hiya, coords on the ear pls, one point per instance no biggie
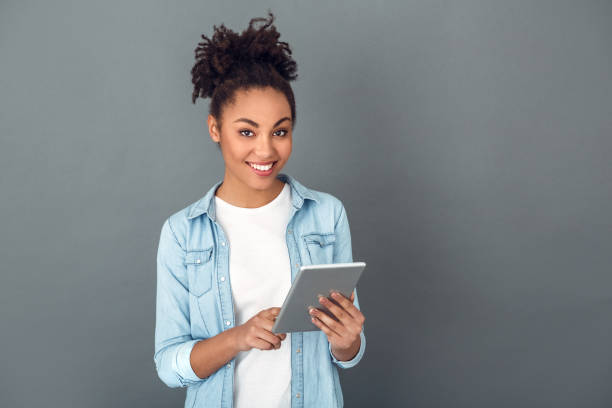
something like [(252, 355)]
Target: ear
[(213, 128)]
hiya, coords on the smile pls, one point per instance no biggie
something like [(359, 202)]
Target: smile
[(261, 167)]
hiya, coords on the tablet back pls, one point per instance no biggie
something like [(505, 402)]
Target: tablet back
[(311, 281)]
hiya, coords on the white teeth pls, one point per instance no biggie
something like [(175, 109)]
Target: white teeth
[(262, 168)]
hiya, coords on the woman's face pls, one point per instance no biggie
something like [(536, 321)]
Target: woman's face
[(256, 129)]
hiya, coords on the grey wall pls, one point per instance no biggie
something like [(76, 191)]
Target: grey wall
[(469, 140)]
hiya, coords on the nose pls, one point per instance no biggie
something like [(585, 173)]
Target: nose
[(263, 147)]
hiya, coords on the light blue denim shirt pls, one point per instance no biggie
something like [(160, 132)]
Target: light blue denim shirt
[(194, 298)]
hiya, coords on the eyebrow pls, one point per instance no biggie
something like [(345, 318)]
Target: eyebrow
[(255, 124)]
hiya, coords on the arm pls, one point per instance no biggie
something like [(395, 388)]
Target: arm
[(179, 359), (343, 252), (211, 354)]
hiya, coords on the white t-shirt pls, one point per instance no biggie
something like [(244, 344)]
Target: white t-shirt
[(260, 277)]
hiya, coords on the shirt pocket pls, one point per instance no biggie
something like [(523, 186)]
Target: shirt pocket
[(199, 270), (320, 247)]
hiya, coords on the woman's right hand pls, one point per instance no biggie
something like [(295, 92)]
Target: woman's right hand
[(256, 332)]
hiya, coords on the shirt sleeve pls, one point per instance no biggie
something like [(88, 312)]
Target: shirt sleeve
[(343, 252), (173, 341)]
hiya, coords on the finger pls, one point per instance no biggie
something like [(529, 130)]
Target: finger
[(267, 325), (346, 304), (352, 298), (262, 344), (334, 326), (266, 319), (269, 337), (352, 322), (336, 310), (324, 328), (271, 313)]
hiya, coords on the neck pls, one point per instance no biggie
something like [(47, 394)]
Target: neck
[(239, 194)]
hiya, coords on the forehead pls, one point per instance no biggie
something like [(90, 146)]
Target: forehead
[(260, 104)]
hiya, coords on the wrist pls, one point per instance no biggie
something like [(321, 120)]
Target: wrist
[(234, 340), (349, 353)]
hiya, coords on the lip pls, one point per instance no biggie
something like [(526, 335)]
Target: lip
[(263, 173), (262, 163)]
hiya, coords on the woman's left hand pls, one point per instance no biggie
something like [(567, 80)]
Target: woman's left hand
[(343, 334)]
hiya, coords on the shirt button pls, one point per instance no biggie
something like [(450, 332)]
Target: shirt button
[(227, 322), (223, 244), (297, 395), (198, 261), (229, 365), (223, 279), (298, 350)]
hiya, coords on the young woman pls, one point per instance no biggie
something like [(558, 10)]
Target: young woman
[(226, 262)]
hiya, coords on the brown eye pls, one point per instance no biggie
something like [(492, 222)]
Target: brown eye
[(281, 130), (247, 131)]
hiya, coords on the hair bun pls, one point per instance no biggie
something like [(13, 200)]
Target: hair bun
[(228, 53)]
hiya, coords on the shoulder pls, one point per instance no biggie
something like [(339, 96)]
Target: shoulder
[(179, 223), (327, 204)]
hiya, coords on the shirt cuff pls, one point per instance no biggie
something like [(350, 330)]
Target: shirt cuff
[(182, 364), (354, 360)]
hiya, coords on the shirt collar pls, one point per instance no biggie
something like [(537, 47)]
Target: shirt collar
[(206, 204)]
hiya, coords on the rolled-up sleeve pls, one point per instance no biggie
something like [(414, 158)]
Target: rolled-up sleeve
[(343, 253), (173, 341)]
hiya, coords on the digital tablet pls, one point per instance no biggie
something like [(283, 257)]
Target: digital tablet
[(311, 281)]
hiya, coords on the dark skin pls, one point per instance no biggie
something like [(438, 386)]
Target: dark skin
[(343, 334), (210, 354), (257, 128)]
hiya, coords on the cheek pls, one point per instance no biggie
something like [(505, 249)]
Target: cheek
[(285, 148), (237, 151)]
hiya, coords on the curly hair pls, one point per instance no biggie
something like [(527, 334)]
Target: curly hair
[(229, 61)]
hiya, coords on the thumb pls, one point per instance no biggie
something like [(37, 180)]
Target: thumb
[(274, 310)]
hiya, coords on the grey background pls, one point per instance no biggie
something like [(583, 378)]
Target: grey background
[(469, 141)]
